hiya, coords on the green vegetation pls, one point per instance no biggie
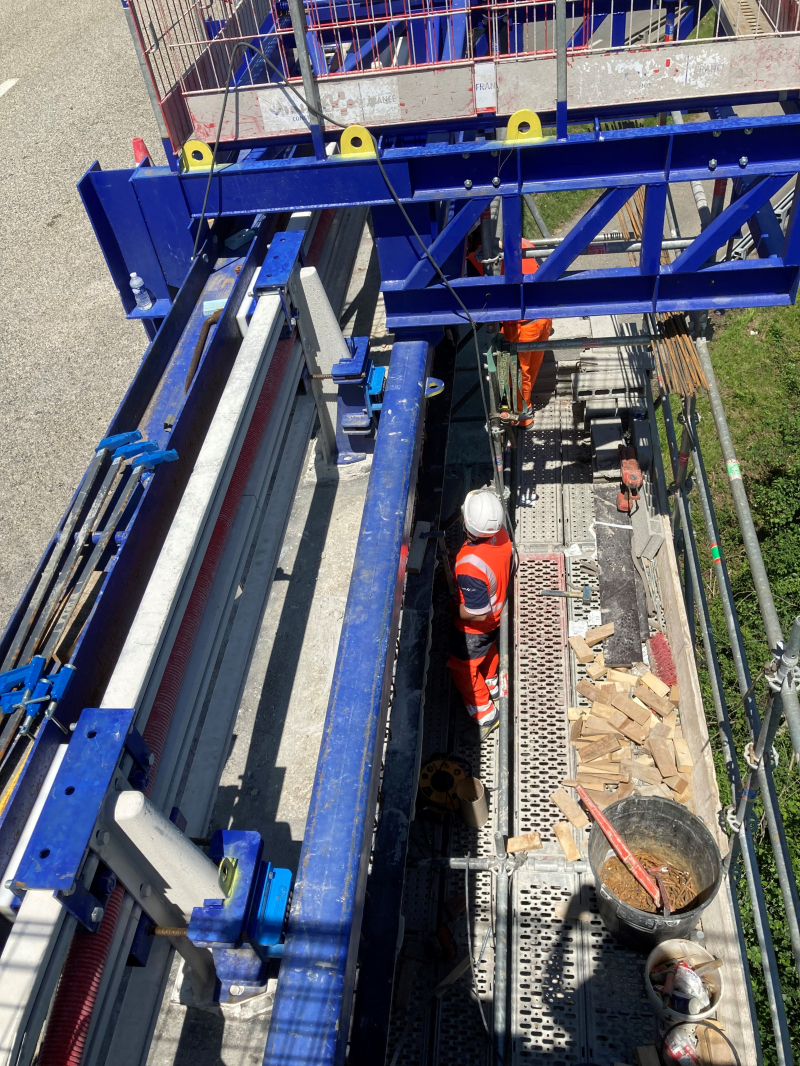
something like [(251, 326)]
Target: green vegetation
[(706, 27), (557, 208), (756, 356)]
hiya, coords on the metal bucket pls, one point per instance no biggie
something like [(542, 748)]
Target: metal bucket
[(650, 822)]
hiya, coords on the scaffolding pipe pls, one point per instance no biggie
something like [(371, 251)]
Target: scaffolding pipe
[(310, 87), (766, 604), (769, 963), (698, 191), (533, 207), (777, 834), (561, 69)]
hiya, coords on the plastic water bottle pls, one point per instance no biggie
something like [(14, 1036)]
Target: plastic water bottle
[(143, 299)]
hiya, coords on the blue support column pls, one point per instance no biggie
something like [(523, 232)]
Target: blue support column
[(512, 238), (655, 203), (791, 244), (310, 1019)]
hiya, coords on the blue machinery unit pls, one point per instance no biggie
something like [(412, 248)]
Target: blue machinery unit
[(149, 221)]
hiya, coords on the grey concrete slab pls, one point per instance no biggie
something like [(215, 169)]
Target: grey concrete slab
[(67, 351)]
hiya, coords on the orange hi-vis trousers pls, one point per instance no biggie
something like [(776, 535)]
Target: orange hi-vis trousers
[(470, 677), (538, 329)]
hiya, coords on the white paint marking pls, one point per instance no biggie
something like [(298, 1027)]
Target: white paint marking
[(8, 85)]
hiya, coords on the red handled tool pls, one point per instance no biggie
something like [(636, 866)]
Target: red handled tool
[(621, 848)]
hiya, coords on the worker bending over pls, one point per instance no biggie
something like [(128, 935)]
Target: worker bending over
[(481, 573)]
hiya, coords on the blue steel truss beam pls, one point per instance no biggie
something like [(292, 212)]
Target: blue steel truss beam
[(310, 1017), (642, 156), (464, 176)]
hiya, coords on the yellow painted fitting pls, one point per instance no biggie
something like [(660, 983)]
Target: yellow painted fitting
[(356, 143), (523, 127), (195, 155)]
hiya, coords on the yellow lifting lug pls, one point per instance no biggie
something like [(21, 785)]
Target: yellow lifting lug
[(195, 156), (524, 126), (356, 143)]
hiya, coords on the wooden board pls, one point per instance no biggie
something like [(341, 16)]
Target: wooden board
[(588, 690), (600, 748), (625, 704), (596, 669), (621, 677), (662, 753), (594, 636), (569, 808), (563, 835), (647, 774), (653, 701), (633, 731), (583, 653), (591, 724), (655, 684), (674, 695), (526, 842), (683, 758)]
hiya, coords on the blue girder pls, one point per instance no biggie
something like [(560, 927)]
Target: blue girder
[(145, 219)]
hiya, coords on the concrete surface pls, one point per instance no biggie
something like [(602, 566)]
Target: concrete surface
[(67, 352)]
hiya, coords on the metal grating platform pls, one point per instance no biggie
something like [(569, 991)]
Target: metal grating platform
[(541, 693), (540, 513)]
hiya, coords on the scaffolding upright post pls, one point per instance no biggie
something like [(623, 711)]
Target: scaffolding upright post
[(310, 88)]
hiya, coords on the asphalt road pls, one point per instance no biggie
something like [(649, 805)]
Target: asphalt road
[(67, 352)]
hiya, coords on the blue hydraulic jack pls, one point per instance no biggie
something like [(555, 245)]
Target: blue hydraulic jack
[(245, 928), (361, 385)]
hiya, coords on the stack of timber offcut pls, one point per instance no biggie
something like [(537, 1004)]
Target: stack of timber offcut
[(628, 737)]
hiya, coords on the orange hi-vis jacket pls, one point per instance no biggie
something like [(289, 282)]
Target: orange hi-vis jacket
[(527, 329), (481, 572)]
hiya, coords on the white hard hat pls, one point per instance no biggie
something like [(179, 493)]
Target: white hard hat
[(483, 513)]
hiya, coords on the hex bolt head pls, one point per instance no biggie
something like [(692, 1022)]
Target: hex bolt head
[(467, 183), (144, 890), (97, 914), (236, 990), (496, 182), (465, 155), (7, 884), (102, 836), (748, 131), (151, 759), (742, 160), (712, 164)]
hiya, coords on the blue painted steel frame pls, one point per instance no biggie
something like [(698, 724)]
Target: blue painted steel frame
[(310, 1018), (463, 175)]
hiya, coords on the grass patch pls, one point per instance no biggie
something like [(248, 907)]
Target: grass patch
[(557, 208), (705, 27), (756, 357)]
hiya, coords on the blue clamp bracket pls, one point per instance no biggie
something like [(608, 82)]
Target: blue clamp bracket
[(58, 844), (157, 458), (140, 447), (31, 676), (111, 443), (279, 262), (244, 929)]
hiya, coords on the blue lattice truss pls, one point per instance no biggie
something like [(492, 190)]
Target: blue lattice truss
[(146, 219)]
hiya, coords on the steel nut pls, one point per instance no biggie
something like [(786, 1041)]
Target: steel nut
[(467, 183), (97, 914)]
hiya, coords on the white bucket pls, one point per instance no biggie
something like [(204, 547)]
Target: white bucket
[(682, 951)]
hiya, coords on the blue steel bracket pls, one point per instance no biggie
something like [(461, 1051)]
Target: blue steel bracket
[(244, 929), (88, 905), (59, 842), (279, 262), (360, 385)]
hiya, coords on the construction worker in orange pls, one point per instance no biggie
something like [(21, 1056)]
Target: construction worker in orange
[(521, 332), (481, 573)]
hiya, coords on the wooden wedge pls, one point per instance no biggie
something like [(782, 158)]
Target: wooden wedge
[(569, 808), (653, 700), (583, 653), (563, 835), (594, 636)]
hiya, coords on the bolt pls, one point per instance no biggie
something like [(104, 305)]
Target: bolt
[(465, 155), (144, 890), (467, 183), (7, 884), (717, 133), (712, 164), (742, 160), (205, 257), (748, 131), (102, 837), (236, 990), (151, 759), (496, 182), (97, 914)]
